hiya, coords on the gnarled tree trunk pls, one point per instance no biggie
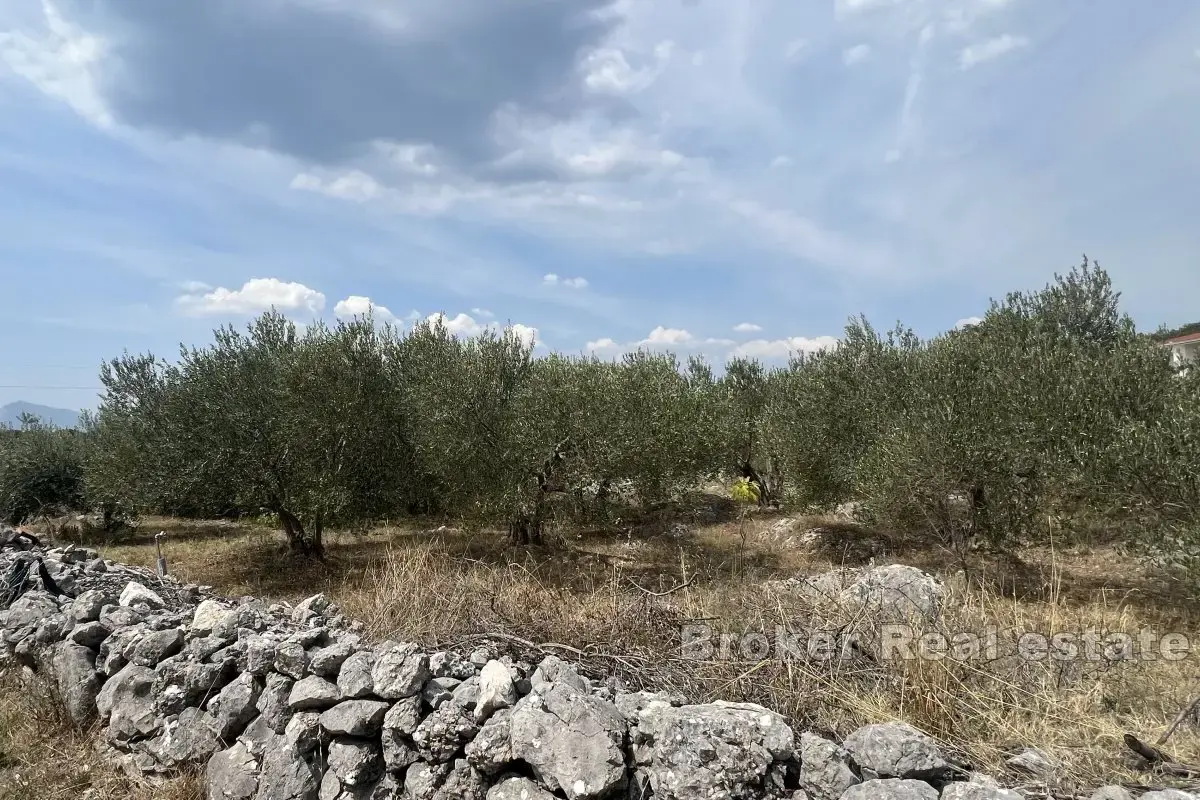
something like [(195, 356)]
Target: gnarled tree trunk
[(526, 528), (308, 544)]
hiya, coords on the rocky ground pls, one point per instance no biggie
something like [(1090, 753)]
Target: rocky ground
[(292, 702)]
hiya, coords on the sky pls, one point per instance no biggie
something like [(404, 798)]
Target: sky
[(723, 177)]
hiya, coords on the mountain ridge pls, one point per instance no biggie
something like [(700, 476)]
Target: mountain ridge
[(10, 414)]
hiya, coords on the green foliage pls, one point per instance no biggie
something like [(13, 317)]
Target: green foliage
[(1053, 401), (41, 471)]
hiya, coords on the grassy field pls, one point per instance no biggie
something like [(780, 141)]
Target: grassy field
[(617, 603)]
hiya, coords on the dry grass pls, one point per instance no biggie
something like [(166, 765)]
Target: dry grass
[(43, 757), (618, 600)]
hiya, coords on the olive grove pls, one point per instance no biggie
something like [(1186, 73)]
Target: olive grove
[(1052, 407)]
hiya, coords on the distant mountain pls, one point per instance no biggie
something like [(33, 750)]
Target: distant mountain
[(58, 417)]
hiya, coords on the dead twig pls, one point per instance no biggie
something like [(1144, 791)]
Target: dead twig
[(649, 593), (1160, 760), (1189, 709)]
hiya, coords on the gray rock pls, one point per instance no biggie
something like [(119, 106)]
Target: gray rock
[(137, 594), (1032, 761), (188, 740), (898, 750), (356, 762), (422, 780), (966, 790), (258, 736), (286, 774), (116, 617), (273, 701), (88, 605), (573, 741), (316, 606), (1111, 793), (127, 702), (463, 783), (630, 703), (355, 718), (826, 769), (518, 789), (209, 616), (404, 716), (554, 670), (400, 671), (896, 592), (398, 750), (303, 731), (205, 648), (291, 660), (78, 683), (443, 733), (154, 648), (467, 693), (491, 749), (30, 609), (713, 750), (354, 679), (438, 690), (312, 694), (327, 661), (891, 789), (1168, 794), (235, 706), (180, 683), (260, 656), (497, 690), (232, 774), (452, 665)]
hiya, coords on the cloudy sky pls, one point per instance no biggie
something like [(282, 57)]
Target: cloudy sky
[(716, 176)]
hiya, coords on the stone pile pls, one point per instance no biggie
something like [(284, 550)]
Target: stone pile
[(275, 702)]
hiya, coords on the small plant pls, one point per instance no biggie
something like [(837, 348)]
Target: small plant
[(745, 491)]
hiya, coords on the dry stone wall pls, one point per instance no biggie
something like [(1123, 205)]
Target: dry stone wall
[(274, 702)]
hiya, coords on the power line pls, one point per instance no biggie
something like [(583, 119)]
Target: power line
[(43, 388)]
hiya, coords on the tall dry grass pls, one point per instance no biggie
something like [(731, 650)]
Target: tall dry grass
[(618, 604)]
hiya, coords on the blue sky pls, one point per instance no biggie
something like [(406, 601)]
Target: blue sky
[(714, 176)]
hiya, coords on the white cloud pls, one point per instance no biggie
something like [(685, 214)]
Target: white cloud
[(459, 325), (602, 345), (783, 348), (465, 325), (482, 312), (551, 279), (353, 185), (525, 333), (359, 306), (779, 162), (255, 296), (59, 60), (607, 69), (667, 336), (843, 8), (975, 54), (856, 54), (967, 322), (194, 287), (747, 327)]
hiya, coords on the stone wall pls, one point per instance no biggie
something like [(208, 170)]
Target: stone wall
[(275, 702)]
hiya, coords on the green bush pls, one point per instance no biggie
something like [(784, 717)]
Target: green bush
[(41, 471)]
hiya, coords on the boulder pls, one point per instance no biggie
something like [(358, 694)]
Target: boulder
[(574, 742)]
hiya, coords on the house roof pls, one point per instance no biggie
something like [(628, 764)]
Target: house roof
[(1186, 339)]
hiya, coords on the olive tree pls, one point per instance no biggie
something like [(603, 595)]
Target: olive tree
[(302, 425)]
